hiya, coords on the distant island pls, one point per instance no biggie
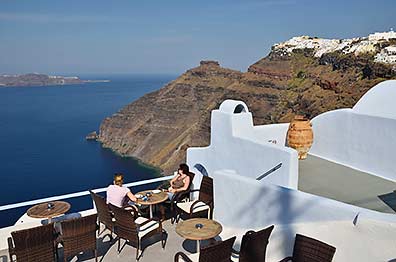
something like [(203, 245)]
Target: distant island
[(35, 79)]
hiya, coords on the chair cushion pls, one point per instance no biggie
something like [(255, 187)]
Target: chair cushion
[(234, 258), (194, 257), (147, 228), (200, 206)]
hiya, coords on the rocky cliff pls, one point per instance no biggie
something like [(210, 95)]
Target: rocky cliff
[(160, 126)]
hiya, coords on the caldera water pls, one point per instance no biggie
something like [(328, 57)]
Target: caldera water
[(42, 137)]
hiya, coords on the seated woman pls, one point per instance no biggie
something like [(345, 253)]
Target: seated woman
[(180, 182), (116, 193)]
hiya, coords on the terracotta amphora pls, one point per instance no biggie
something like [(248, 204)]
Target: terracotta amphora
[(300, 136)]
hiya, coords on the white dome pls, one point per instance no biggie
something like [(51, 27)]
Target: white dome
[(379, 101)]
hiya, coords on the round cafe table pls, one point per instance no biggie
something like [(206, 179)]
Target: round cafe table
[(198, 229), (42, 210), (152, 200)]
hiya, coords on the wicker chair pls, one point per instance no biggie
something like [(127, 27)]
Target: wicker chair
[(254, 245), (204, 203), (33, 244), (179, 197), (104, 214), (307, 249), (218, 252), (79, 235), (135, 229)]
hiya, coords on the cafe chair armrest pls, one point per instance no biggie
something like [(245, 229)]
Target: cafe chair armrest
[(11, 247), (235, 251), (286, 259), (184, 257)]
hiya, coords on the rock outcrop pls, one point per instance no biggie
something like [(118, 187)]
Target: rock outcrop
[(159, 127), (92, 136)]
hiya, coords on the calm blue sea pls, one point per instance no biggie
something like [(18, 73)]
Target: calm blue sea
[(42, 137)]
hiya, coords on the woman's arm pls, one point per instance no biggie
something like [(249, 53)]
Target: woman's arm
[(186, 181), (131, 196), (173, 180)]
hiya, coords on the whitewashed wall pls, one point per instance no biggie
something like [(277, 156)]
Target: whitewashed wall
[(237, 145), (243, 204), (275, 133), (379, 101), (364, 137)]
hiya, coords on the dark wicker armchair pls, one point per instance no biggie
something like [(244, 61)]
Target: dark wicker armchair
[(33, 244), (218, 252), (135, 229), (307, 249), (204, 204), (104, 214), (79, 235), (254, 245)]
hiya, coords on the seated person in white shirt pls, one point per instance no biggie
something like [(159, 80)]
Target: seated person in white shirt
[(117, 194)]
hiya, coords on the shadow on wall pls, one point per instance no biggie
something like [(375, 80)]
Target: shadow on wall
[(286, 215), (201, 169), (239, 109)]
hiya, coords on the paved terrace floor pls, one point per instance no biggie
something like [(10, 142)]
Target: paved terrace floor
[(107, 249), (328, 179)]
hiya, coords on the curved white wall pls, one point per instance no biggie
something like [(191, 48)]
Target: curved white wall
[(379, 101), (363, 142), (242, 204), (364, 137)]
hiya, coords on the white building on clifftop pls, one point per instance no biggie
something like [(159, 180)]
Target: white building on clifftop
[(382, 36), (387, 55)]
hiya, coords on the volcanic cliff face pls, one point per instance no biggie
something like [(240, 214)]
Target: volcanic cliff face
[(160, 126)]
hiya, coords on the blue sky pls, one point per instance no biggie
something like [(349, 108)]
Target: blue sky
[(131, 36)]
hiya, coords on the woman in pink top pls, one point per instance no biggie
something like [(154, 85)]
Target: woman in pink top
[(116, 193)]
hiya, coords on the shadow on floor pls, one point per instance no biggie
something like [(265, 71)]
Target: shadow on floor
[(103, 245)]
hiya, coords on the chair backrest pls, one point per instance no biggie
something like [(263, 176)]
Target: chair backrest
[(254, 245), (218, 252), (191, 175), (125, 226), (311, 250), (104, 215), (79, 235), (206, 190), (34, 244)]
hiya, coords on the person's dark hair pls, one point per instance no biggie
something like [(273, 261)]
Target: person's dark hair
[(184, 168), (118, 179)]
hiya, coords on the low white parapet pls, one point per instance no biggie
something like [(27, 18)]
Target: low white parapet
[(242, 204), (26, 222)]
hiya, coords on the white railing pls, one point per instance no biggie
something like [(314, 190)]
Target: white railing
[(79, 194)]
